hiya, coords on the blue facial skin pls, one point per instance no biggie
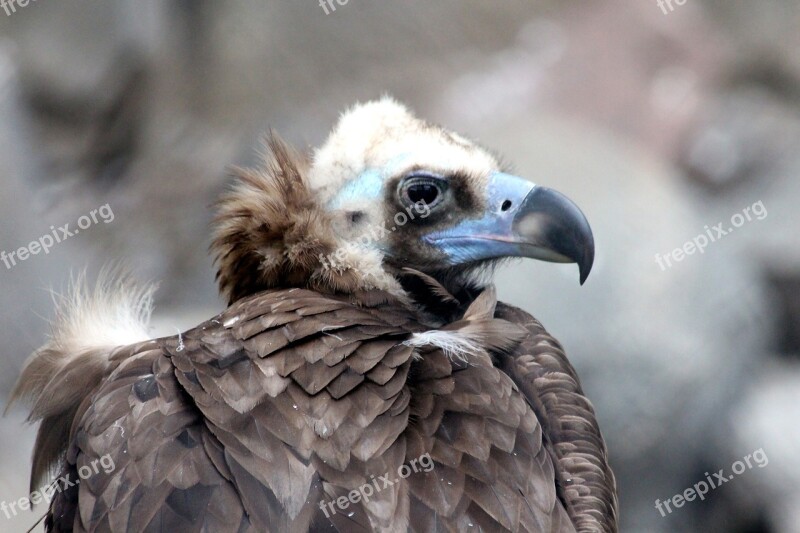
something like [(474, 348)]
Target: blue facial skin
[(491, 235), (367, 186)]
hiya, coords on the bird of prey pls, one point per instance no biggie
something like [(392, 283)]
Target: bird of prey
[(363, 377)]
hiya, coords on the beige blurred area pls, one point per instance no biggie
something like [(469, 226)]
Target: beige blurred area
[(657, 122)]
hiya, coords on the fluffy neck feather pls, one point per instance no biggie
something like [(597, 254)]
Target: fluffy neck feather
[(271, 232)]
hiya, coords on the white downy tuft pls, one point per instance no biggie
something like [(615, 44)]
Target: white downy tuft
[(451, 343)]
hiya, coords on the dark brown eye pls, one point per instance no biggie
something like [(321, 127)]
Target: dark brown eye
[(423, 190), (426, 193)]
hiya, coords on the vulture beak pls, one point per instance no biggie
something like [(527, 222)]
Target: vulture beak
[(521, 220)]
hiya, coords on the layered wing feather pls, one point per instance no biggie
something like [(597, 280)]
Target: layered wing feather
[(492, 470), (540, 369), (142, 459)]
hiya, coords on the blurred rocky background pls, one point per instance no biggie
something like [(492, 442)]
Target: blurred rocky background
[(657, 121)]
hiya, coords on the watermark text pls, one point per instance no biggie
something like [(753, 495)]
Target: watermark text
[(757, 212), (46, 493), (10, 6), (701, 488), (57, 235), (363, 493)]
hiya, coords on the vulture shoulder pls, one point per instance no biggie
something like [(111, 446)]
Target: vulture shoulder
[(541, 370), (290, 400)]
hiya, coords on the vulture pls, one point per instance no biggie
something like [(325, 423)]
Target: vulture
[(363, 377)]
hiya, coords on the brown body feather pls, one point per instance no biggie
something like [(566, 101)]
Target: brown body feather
[(300, 399)]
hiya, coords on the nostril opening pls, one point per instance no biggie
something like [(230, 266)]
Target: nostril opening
[(506, 205)]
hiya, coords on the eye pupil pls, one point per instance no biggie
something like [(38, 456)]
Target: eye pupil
[(423, 192)]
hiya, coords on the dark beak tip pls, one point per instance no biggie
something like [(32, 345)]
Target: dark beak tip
[(587, 261), (560, 226), (584, 271)]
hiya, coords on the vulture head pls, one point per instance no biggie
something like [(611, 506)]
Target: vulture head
[(385, 195)]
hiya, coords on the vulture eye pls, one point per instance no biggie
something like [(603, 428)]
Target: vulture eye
[(417, 189)]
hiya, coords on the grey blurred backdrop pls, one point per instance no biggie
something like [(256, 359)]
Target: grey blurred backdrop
[(657, 122)]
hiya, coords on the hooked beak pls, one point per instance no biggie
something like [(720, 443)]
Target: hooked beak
[(521, 220)]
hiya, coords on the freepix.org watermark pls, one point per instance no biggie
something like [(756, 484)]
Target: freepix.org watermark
[(45, 494), (668, 7), (363, 493), (376, 233), (10, 6), (329, 6), (701, 488), (756, 212), (56, 236)]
